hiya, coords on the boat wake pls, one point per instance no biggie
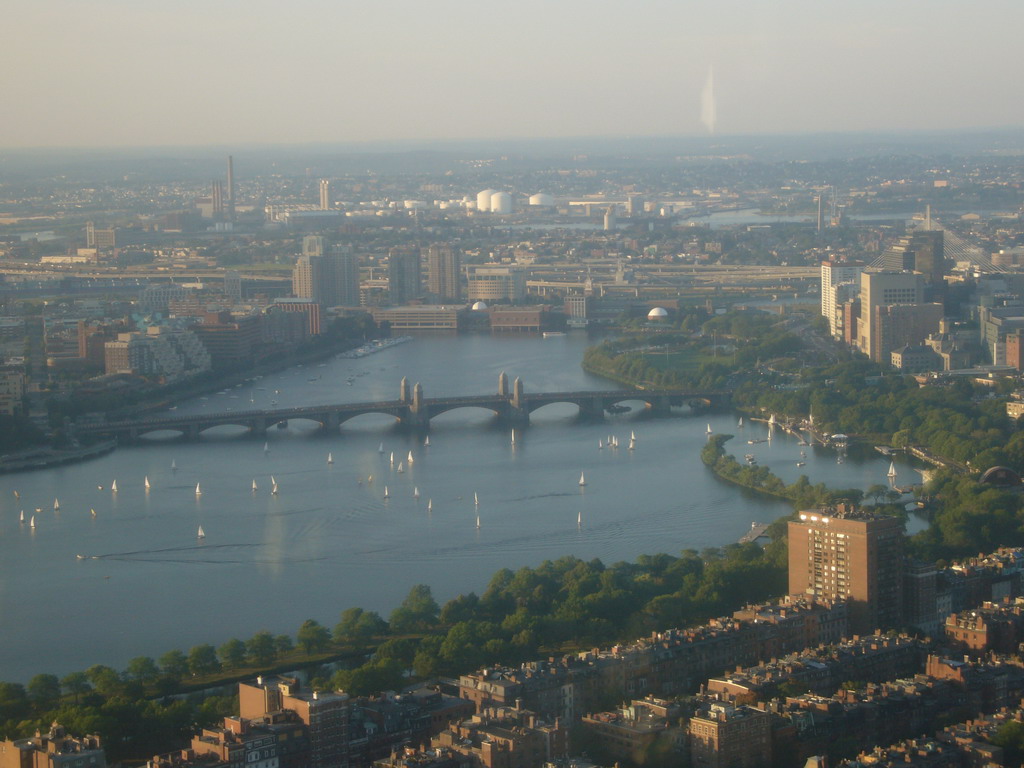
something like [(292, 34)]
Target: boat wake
[(180, 555)]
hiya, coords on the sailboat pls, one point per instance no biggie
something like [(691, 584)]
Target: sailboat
[(199, 491), (380, 448), (771, 419), (200, 534), (513, 436), (891, 474), (92, 512), (401, 468), (478, 521), (273, 486), (415, 492), (409, 458), (708, 430), (369, 480), (266, 447), (254, 486), (600, 445), (476, 499), (32, 522), (145, 482), (56, 505), (583, 480), (113, 487), (174, 466), (386, 494), (17, 495), (740, 423), (579, 518), (430, 505), (330, 458), (426, 441), (632, 441), (392, 461), (21, 517)]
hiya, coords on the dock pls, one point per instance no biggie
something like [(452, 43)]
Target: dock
[(756, 532)]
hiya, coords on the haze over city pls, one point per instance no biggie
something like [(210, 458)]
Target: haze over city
[(115, 73)]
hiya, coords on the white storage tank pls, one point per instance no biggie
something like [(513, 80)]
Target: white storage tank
[(483, 199), (501, 202), (543, 200)]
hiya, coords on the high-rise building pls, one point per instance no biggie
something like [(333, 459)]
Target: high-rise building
[(330, 280), (404, 276), (444, 273), (314, 245), (853, 555), (883, 288), (922, 251), (490, 283), (231, 188), (839, 283), (325, 195), (307, 276)]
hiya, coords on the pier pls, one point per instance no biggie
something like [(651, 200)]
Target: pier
[(756, 532)]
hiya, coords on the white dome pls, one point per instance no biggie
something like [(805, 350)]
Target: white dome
[(658, 313), (479, 307), (542, 199)]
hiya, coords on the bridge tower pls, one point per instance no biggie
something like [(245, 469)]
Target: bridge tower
[(419, 415), (518, 413), (503, 384), (403, 390)]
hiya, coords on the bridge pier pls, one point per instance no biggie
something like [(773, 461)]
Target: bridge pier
[(591, 408), (192, 432), (661, 405), (332, 423)]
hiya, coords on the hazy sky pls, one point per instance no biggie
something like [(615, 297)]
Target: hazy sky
[(146, 72)]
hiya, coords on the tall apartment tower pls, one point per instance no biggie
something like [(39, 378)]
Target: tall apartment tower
[(325, 195), (404, 276), (326, 715), (307, 275), (880, 289), (231, 188), (853, 555), (444, 273), (839, 282), (329, 280)]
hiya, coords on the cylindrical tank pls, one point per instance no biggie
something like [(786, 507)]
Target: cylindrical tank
[(483, 200), (501, 202), (543, 199)]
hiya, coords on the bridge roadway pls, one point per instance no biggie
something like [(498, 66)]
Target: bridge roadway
[(411, 409)]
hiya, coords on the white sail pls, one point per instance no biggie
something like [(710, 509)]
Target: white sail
[(476, 499), (273, 490), (145, 482), (174, 466), (600, 445), (409, 458), (92, 512), (579, 518), (330, 458), (199, 491), (392, 460), (478, 521), (401, 467), (380, 448), (709, 429), (415, 492), (21, 517), (386, 494), (17, 495), (430, 505), (113, 486), (266, 447), (892, 469), (632, 435), (56, 505), (426, 441), (32, 522), (583, 480), (771, 419), (254, 486), (200, 534), (740, 422), (632, 444), (369, 480), (513, 436)]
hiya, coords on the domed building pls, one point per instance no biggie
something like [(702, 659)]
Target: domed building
[(480, 307), (658, 313)]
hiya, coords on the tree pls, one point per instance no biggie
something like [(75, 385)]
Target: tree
[(44, 691), (76, 684), (202, 660), (173, 664), (312, 637), (358, 626), (14, 704), (283, 645), (417, 612), (143, 669), (232, 653), (261, 649), (104, 679)]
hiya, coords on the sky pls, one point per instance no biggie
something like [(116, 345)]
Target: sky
[(99, 73)]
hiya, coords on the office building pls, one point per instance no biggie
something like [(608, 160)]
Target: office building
[(314, 245), (330, 280), (496, 284), (444, 273), (850, 554), (325, 195), (404, 276), (921, 252), (99, 238), (880, 289)]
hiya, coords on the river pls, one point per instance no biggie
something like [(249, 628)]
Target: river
[(329, 540)]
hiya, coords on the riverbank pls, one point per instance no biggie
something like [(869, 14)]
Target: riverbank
[(45, 458)]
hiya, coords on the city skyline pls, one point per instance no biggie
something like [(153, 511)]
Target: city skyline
[(118, 74)]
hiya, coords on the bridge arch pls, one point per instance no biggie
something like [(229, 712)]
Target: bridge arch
[(348, 416), (441, 409)]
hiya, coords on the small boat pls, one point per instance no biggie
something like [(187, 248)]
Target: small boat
[(579, 518), (600, 445), (273, 486), (409, 458), (92, 512), (174, 466), (56, 505), (17, 495), (392, 460), (415, 492), (380, 448), (430, 505), (200, 534), (369, 480), (266, 447), (478, 521), (892, 470), (632, 444), (708, 429), (801, 463), (80, 557), (771, 419), (513, 437), (330, 458), (99, 487), (32, 522), (254, 486), (803, 454), (476, 499), (426, 441), (21, 517), (583, 480), (199, 491), (401, 468), (145, 482), (740, 423), (113, 487), (386, 494)]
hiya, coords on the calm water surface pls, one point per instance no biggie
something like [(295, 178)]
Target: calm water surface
[(330, 540)]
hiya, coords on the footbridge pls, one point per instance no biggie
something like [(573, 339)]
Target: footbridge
[(511, 404)]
